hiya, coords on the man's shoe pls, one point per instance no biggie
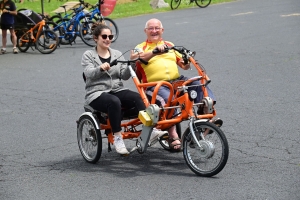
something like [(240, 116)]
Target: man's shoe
[(218, 122), (119, 145), (155, 135)]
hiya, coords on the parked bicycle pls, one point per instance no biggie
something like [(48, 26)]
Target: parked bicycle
[(69, 29), (96, 15), (31, 30), (201, 3), (205, 154)]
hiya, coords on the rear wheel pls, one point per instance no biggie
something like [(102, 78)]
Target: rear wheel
[(23, 40), (202, 3), (113, 26), (89, 139), (86, 33), (209, 159), (47, 42), (175, 4)]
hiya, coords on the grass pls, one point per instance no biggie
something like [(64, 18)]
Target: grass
[(122, 10)]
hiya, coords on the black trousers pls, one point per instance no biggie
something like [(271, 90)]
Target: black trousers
[(111, 103)]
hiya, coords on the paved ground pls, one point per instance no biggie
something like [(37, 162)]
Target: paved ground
[(250, 49)]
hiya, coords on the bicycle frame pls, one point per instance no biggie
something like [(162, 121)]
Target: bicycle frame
[(39, 26)]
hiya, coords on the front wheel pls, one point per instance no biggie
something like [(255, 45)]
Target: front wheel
[(209, 159), (202, 3), (89, 139), (175, 4), (47, 42)]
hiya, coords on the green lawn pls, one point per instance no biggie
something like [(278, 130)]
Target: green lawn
[(134, 8)]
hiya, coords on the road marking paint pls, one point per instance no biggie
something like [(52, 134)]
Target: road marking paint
[(246, 13), (294, 14)]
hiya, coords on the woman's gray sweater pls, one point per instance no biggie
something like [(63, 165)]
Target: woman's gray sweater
[(98, 81)]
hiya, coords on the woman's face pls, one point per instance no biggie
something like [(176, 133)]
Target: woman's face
[(104, 39)]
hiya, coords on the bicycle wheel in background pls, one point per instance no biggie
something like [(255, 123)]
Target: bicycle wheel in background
[(112, 25), (22, 38), (202, 3), (86, 33), (47, 42), (175, 4)]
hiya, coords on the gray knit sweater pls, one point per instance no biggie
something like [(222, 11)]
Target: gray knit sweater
[(98, 81)]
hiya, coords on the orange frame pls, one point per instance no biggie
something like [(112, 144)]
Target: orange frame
[(165, 123)]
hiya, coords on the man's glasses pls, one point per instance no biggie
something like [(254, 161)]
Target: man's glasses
[(154, 28), (110, 37)]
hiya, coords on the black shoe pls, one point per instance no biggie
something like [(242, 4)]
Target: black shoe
[(218, 122)]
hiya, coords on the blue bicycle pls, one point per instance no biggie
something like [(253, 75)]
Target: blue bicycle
[(96, 15), (69, 29)]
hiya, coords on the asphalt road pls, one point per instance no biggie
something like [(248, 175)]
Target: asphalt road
[(250, 49)]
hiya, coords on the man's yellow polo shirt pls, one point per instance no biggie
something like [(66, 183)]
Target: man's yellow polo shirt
[(160, 67)]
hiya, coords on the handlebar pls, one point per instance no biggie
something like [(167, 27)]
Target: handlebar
[(114, 62), (185, 52)]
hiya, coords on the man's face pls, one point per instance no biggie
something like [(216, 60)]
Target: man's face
[(154, 31)]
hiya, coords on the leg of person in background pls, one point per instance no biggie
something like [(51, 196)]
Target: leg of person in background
[(4, 34), (14, 40)]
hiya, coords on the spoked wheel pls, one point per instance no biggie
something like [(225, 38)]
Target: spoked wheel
[(23, 40), (163, 140), (86, 33), (202, 3), (47, 42), (175, 4), (89, 139), (66, 37), (113, 26), (212, 157)]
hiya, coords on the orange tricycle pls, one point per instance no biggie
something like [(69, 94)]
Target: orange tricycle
[(204, 145)]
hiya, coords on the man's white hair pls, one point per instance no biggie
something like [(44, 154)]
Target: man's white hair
[(146, 25)]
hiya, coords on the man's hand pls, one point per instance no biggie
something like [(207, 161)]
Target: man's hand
[(160, 49)]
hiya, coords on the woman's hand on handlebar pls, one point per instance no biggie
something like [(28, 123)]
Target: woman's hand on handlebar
[(104, 67)]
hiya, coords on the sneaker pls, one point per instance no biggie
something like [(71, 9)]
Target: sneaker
[(3, 51), (15, 50), (119, 145), (156, 133)]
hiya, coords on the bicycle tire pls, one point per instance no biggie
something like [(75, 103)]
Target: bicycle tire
[(67, 37), (86, 34), (202, 3), (175, 4), (215, 149), (21, 45), (112, 25), (89, 139), (47, 42)]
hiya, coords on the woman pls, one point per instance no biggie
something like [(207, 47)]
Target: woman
[(105, 91)]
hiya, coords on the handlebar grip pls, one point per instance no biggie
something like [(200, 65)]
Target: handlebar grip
[(143, 61), (155, 51), (114, 62)]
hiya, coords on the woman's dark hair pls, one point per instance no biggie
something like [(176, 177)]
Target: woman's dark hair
[(97, 29)]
